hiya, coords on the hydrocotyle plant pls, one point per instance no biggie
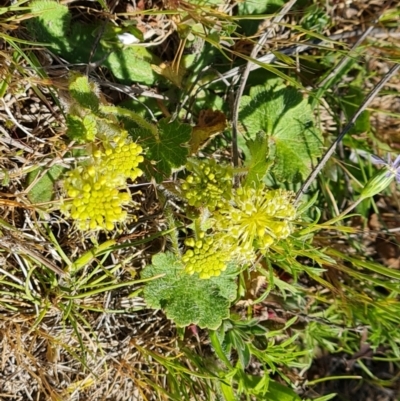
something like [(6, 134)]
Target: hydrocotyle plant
[(96, 190)]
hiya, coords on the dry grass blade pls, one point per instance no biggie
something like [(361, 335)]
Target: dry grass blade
[(14, 245), (75, 317)]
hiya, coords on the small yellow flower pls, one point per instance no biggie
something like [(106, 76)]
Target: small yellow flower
[(96, 190), (209, 184), (255, 219), (95, 203), (121, 158), (205, 257)]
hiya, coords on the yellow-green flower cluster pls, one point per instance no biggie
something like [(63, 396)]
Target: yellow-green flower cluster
[(205, 257), (209, 184), (97, 190), (120, 159), (255, 219), (95, 201)]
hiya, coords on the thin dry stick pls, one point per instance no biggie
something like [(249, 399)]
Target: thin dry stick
[(345, 130), (15, 246), (20, 126), (271, 57), (245, 75), (361, 39)]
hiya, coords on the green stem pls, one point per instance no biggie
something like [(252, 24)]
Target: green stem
[(139, 120)]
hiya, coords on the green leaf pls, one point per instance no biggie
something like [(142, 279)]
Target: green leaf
[(74, 41), (244, 355), (169, 149), (132, 64), (89, 122), (252, 7), (80, 129), (188, 299), (251, 384), (51, 24), (287, 119), (258, 164), (325, 397), (278, 392), (217, 338), (43, 190), (84, 92), (227, 391)]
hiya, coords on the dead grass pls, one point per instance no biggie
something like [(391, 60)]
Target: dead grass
[(99, 347)]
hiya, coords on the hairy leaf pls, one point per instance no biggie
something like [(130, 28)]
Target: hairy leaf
[(84, 92), (80, 129), (132, 64), (287, 119), (43, 189), (187, 299), (51, 24)]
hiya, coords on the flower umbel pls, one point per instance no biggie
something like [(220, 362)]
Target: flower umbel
[(120, 158), (205, 257), (209, 184), (96, 200), (252, 221), (255, 219)]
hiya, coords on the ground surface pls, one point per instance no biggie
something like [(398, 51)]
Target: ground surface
[(41, 335)]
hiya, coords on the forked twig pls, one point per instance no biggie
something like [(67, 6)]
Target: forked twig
[(345, 130)]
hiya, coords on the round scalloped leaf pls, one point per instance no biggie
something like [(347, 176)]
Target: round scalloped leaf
[(51, 24), (187, 299), (287, 120)]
